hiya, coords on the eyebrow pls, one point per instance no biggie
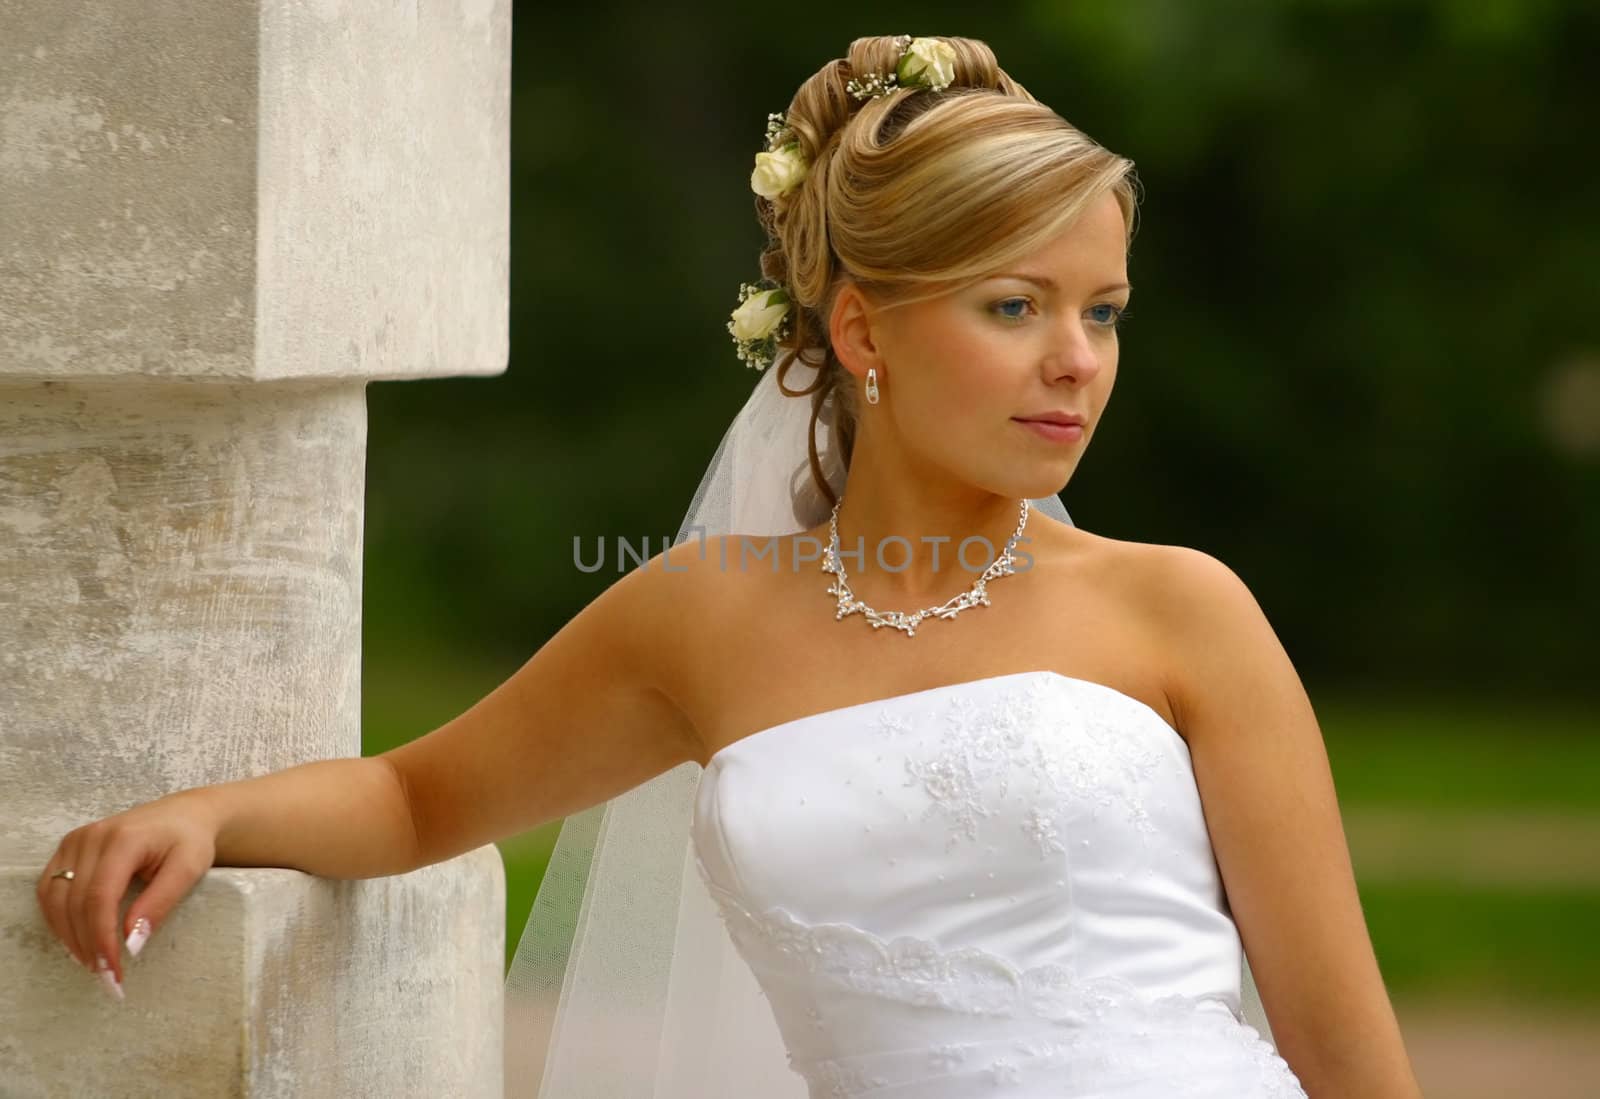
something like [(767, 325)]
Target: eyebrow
[(1050, 284)]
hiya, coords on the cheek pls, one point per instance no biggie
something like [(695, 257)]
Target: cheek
[(1108, 375), (945, 406), (964, 373), (969, 386)]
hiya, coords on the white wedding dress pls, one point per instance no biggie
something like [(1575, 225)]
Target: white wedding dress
[(1001, 887)]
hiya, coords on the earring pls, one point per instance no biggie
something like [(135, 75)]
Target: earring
[(872, 385)]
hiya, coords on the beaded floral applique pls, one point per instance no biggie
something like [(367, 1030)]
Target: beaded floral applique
[(1074, 745)]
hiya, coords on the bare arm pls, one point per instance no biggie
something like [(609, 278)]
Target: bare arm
[(589, 716), (335, 818), (1273, 816)]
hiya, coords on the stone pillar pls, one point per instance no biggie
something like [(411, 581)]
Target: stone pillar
[(218, 222)]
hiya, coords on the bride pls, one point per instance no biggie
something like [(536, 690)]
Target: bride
[(886, 771), (966, 829)]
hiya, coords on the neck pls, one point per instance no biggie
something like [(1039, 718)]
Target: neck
[(908, 545)]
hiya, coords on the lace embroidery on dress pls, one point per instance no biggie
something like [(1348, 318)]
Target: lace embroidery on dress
[(1078, 753), (969, 980), (917, 971), (842, 1081)]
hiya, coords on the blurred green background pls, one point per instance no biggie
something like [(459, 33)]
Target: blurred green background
[(1362, 368)]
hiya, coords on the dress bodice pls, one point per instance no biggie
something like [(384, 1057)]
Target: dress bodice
[(1000, 886)]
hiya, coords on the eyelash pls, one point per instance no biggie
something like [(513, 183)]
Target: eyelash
[(1122, 314)]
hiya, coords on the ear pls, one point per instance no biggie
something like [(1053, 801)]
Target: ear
[(854, 330)]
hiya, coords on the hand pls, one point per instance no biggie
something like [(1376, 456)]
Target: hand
[(169, 844)]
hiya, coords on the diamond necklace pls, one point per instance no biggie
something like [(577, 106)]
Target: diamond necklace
[(1003, 565)]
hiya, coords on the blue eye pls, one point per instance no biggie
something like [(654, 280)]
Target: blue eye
[(999, 308), (996, 307), (1115, 320)]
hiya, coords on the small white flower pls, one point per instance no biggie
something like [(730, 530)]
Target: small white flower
[(759, 323), (760, 315), (779, 171), (928, 62), (872, 86)]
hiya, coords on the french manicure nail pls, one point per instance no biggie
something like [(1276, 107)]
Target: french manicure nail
[(137, 937), (108, 978)]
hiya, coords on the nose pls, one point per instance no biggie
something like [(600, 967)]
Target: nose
[(1077, 353)]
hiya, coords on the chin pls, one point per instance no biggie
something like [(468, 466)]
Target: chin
[(1049, 490), (1052, 478), (1037, 487)]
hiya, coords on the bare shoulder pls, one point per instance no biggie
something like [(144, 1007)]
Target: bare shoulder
[(603, 705), (1190, 613), (1188, 589), (1181, 579), (1219, 648), (1147, 579), (715, 573), (702, 592), (734, 601)]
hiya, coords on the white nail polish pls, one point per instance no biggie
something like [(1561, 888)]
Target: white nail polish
[(137, 937), (108, 978)]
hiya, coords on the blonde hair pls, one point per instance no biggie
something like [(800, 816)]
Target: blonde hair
[(914, 194)]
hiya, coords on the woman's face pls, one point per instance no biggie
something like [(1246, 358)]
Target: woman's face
[(957, 375)]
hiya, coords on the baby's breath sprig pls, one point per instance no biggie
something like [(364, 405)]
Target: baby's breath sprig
[(872, 85), (777, 130)]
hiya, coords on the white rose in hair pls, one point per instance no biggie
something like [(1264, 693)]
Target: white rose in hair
[(930, 62), (760, 315), (778, 171)]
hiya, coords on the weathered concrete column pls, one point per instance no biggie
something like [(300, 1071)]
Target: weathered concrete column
[(218, 222)]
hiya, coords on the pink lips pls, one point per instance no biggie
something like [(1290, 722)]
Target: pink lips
[(1054, 431)]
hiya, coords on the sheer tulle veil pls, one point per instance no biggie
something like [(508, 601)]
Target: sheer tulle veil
[(625, 983)]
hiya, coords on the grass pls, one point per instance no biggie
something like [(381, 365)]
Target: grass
[(1452, 755), (1460, 943)]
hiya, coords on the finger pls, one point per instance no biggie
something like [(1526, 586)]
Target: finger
[(77, 908), (171, 880), (55, 894), (121, 855)]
